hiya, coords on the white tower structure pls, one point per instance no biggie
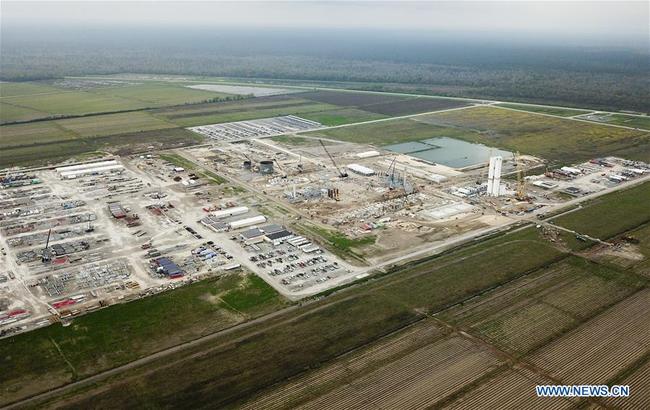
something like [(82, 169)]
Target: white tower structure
[(494, 176)]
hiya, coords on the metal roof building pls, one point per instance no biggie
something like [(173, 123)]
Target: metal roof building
[(361, 170), (224, 213), (242, 223)]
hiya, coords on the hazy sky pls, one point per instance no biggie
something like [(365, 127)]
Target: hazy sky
[(621, 20)]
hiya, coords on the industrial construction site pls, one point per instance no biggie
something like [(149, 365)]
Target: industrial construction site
[(304, 213)]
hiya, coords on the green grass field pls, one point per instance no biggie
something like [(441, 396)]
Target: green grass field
[(393, 132), (36, 133), (110, 124), (180, 161), (154, 94), (48, 139), (63, 147), (562, 141), (562, 112), (72, 103), (120, 333), (10, 89), (625, 210), (341, 116), (262, 107), (27, 101), (339, 243), (10, 112)]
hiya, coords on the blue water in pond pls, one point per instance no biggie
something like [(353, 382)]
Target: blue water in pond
[(448, 151)]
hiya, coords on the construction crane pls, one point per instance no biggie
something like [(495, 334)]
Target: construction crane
[(45, 256), (520, 193), (342, 174), (391, 174)]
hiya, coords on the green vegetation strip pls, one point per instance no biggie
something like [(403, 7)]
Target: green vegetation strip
[(610, 214), (183, 162), (339, 243), (393, 132)]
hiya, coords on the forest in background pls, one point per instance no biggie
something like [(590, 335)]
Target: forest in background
[(491, 67)]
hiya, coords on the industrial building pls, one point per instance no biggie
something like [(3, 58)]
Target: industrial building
[(168, 267), (242, 223), (96, 168), (277, 238), (228, 212), (361, 170), (252, 236)]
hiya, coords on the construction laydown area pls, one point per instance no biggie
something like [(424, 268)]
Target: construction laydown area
[(304, 214)]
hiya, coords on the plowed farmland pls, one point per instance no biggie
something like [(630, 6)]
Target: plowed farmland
[(386, 104), (597, 351), (639, 382), (312, 385), (416, 381), (527, 312), (513, 389)]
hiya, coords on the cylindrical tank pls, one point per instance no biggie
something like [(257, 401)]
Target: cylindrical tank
[(247, 164), (266, 167)]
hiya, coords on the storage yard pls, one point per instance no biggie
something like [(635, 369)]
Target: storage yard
[(266, 127)]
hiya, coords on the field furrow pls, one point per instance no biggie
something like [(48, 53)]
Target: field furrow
[(602, 347), (418, 380), (513, 389)]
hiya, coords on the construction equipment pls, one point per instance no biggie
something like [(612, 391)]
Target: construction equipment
[(342, 174), (284, 174), (520, 193), (46, 256), (391, 173)]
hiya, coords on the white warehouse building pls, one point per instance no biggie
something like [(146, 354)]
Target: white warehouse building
[(71, 174), (361, 170), (225, 213), (86, 166), (242, 223)]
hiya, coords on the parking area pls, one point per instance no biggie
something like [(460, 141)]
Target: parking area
[(264, 127), (296, 269)]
